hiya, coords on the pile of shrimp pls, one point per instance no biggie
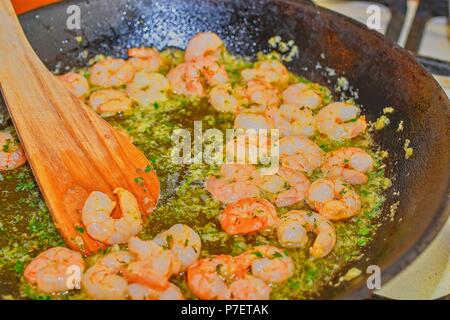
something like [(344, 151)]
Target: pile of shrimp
[(266, 96), (140, 273)]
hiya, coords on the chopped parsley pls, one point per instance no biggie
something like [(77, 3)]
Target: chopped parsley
[(258, 254), (79, 229)]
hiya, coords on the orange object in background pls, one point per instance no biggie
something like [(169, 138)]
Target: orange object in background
[(22, 6)]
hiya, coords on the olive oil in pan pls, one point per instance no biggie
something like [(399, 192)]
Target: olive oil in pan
[(26, 227)]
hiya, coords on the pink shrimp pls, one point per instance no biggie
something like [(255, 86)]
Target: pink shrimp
[(145, 59), (300, 153), (247, 216), (351, 164), (204, 44), (287, 186), (50, 270), (334, 199), (76, 83), (12, 155), (235, 182), (293, 228)]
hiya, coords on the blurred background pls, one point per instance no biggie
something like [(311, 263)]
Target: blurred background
[(422, 27)]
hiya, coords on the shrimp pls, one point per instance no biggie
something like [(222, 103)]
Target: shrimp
[(108, 102), (301, 95), (261, 93), (145, 59), (348, 163), (221, 277), (177, 80), (137, 291), (76, 83), (293, 120), (250, 288), (235, 182), (204, 44), (12, 155), (289, 186), (270, 71), (50, 270), (334, 199), (152, 266), (103, 280), (340, 121), (147, 88), (293, 227), (253, 118), (96, 212), (208, 69), (300, 153), (247, 147), (111, 72), (208, 278), (267, 263), (192, 78), (247, 216), (184, 244), (222, 99)]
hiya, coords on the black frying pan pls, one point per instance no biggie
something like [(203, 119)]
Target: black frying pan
[(385, 75)]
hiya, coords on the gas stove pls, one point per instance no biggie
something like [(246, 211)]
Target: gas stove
[(422, 27)]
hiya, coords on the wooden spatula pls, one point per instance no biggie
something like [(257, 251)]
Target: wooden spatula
[(71, 150)]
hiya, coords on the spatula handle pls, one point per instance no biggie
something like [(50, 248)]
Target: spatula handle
[(71, 150), (16, 53)]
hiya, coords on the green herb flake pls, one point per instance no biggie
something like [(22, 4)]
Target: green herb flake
[(19, 267), (139, 180), (7, 146), (363, 231), (258, 254), (293, 284), (277, 255), (25, 186), (79, 229), (362, 242)]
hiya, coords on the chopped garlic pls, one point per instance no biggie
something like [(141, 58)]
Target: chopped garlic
[(273, 42), (388, 110), (381, 122), (393, 209), (289, 49), (342, 84), (408, 150), (352, 274), (331, 72), (384, 154)]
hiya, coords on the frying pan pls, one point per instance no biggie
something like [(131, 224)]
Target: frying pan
[(384, 74)]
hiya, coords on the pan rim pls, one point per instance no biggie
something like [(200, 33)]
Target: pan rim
[(440, 216)]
